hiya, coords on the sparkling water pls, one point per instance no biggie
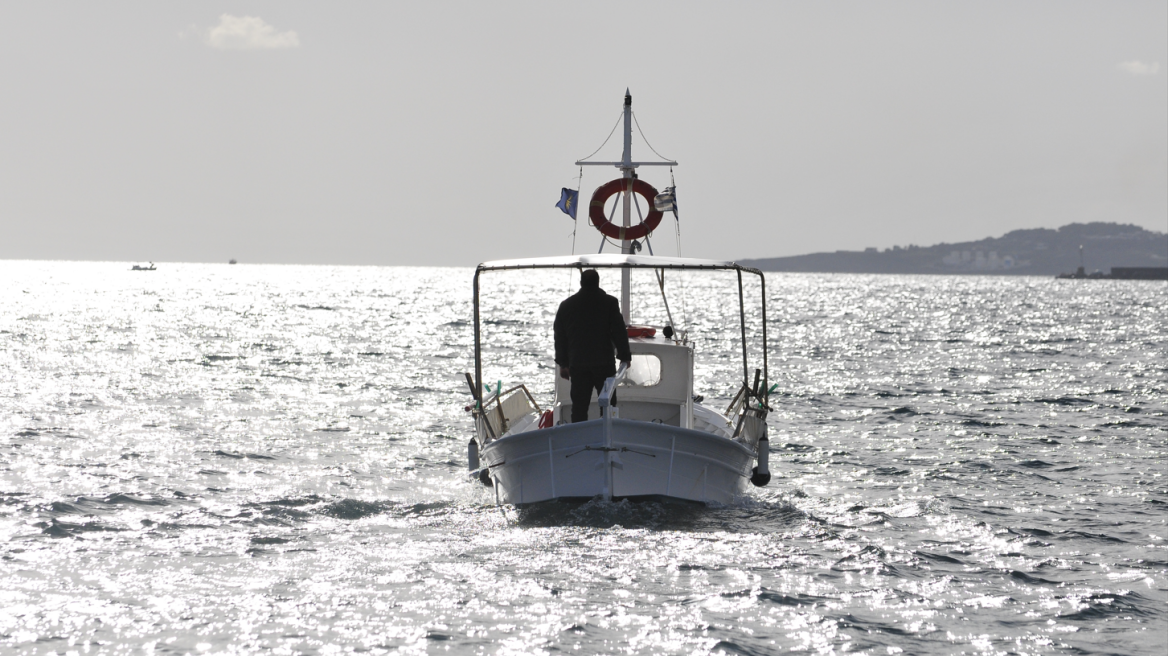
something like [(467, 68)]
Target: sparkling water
[(240, 459)]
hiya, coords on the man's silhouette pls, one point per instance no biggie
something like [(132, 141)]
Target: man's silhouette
[(588, 328)]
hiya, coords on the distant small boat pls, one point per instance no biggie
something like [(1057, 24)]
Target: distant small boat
[(137, 267), (231, 261)]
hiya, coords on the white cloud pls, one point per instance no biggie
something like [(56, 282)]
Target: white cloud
[(1139, 68), (248, 33)]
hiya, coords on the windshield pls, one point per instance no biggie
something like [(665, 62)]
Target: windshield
[(644, 371)]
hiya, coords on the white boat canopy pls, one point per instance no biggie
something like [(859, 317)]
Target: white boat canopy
[(612, 260), (624, 261)]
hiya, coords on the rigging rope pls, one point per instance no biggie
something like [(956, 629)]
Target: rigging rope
[(676, 220), (664, 299), (614, 126), (647, 141), (677, 234), (579, 186)]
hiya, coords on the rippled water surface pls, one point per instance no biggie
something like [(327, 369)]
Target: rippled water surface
[(231, 459)]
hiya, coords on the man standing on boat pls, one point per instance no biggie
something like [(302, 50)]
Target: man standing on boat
[(588, 328)]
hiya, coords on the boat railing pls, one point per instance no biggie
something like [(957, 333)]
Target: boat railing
[(605, 401), (610, 385), (751, 416), (501, 409)]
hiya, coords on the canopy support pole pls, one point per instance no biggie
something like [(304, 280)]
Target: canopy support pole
[(478, 375), (742, 323)]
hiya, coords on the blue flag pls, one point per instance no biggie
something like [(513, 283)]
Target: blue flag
[(568, 198)]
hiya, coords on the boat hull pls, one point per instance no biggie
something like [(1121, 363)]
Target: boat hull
[(640, 459)]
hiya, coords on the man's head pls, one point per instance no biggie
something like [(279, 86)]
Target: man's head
[(589, 279)]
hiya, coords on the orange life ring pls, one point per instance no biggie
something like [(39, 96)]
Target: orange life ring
[(609, 229)]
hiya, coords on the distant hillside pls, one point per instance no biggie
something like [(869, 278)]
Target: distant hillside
[(1022, 252)]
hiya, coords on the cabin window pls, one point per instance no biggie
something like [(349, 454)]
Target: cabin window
[(644, 371)]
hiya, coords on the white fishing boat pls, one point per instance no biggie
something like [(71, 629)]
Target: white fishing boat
[(655, 439)]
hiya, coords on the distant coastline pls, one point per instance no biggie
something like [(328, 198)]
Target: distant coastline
[(1039, 251)]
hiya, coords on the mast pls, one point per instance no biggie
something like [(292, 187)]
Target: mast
[(628, 171)]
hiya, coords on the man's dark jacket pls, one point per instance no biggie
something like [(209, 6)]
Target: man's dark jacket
[(588, 327)]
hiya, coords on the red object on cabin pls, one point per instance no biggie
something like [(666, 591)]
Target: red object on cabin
[(545, 420), (641, 331)]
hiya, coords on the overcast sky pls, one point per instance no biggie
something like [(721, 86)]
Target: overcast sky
[(440, 133)]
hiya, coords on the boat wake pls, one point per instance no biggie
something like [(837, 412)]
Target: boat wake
[(746, 514)]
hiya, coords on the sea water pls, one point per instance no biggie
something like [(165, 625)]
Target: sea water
[(243, 459)]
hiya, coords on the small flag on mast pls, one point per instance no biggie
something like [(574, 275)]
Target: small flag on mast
[(568, 198), (666, 201)]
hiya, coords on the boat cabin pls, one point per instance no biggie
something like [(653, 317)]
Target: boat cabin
[(657, 388)]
